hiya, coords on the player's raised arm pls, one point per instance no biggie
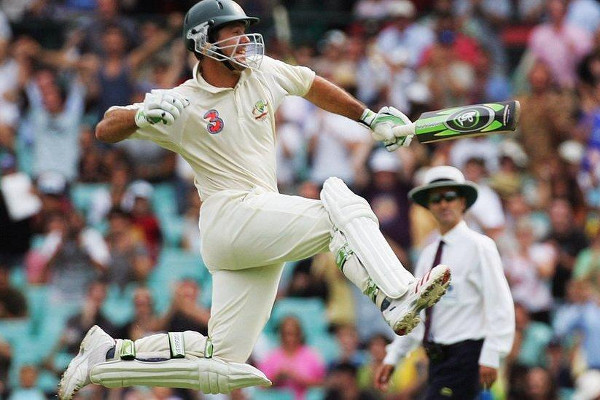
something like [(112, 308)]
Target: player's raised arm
[(387, 126)]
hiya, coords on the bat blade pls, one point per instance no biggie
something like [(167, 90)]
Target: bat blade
[(466, 121)]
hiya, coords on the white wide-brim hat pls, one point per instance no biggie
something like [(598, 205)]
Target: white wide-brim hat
[(444, 176)]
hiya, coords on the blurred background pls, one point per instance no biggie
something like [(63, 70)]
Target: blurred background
[(92, 233)]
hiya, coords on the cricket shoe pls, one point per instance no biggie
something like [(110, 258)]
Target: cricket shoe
[(403, 313), (92, 351)]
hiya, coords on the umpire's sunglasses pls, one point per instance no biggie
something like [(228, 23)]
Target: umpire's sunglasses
[(449, 196)]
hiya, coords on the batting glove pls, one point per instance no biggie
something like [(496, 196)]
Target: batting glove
[(389, 126), (160, 106)]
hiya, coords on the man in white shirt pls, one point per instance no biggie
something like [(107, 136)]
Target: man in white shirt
[(468, 332), (222, 122)]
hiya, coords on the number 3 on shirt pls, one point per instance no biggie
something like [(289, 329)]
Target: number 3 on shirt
[(215, 124)]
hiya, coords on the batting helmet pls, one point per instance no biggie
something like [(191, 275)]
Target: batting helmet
[(202, 22)]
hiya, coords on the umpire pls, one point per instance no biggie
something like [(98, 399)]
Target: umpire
[(467, 333)]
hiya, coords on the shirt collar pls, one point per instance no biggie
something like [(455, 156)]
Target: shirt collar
[(199, 79), (454, 234)]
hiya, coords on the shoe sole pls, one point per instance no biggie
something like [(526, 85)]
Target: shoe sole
[(430, 295), (74, 365)]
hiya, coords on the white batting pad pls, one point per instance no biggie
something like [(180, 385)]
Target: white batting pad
[(208, 375), (352, 215)]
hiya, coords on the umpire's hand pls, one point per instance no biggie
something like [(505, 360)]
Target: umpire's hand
[(487, 376)]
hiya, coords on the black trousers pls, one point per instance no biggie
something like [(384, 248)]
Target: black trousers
[(453, 370)]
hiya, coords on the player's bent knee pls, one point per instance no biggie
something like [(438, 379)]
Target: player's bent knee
[(342, 204)]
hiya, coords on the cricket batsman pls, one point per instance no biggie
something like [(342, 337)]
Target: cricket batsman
[(222, 122)]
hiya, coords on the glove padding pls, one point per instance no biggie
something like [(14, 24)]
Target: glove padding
[(389, 126), (160, 106)]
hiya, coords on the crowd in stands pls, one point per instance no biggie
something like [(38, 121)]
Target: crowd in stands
[(102, 234)]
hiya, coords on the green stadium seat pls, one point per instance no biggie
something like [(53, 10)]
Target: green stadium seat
[(173, 265), (272, 394), (315, 393), (310, 311), (83, 193)]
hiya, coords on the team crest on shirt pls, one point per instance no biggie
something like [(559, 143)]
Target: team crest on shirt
[(261, 109)]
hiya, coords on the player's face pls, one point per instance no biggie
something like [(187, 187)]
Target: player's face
[(447, 207), (233, 41)]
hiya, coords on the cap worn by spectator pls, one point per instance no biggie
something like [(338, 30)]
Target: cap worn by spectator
[(137, 189), (514, 151), (52, 183), (384, 161), (401, 9), (587, 386), (571, 151)]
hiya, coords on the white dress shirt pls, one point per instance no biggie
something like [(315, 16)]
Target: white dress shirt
[(477, 305)]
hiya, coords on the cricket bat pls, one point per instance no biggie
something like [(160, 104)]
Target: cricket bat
[(465, 121)]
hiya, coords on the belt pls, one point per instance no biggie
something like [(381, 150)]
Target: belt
[(439, 352)]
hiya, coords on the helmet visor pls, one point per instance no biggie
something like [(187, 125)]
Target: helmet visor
[(246, 50)]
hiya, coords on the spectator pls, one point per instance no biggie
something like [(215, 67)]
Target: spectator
[(560, 44), (581, 314), (107, 14), (447, 64), (387, 192), (558, 364), (546, 115), (529, 269), (403, 33), (407, 381), (5, 363), (306, 283), (587, 264), (487, 214), (539, 385), (568, 240), (27, 390), (293, 365), (104, 199), (130, 257), (342, 384), (117, 66), (55, 115), (349, 344), (13, 303), (16, 228), (531, 339), (485, 20), (337, 147), (138, 198), (145, 321), (9, 87), (584, 14), (73, 257), (191, 238), (186, 312), (90, 168)]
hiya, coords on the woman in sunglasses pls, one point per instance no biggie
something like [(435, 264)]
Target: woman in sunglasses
[(467, 333)]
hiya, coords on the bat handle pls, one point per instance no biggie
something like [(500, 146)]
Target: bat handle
[(404, 130)]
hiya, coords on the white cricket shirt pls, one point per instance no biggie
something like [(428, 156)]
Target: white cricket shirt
[(477, 305), (227, 135)]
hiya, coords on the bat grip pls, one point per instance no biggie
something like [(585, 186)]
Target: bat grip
[(404, 130)]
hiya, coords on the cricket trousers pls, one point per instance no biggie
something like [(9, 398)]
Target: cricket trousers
[(247, 236), (454, 372)]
